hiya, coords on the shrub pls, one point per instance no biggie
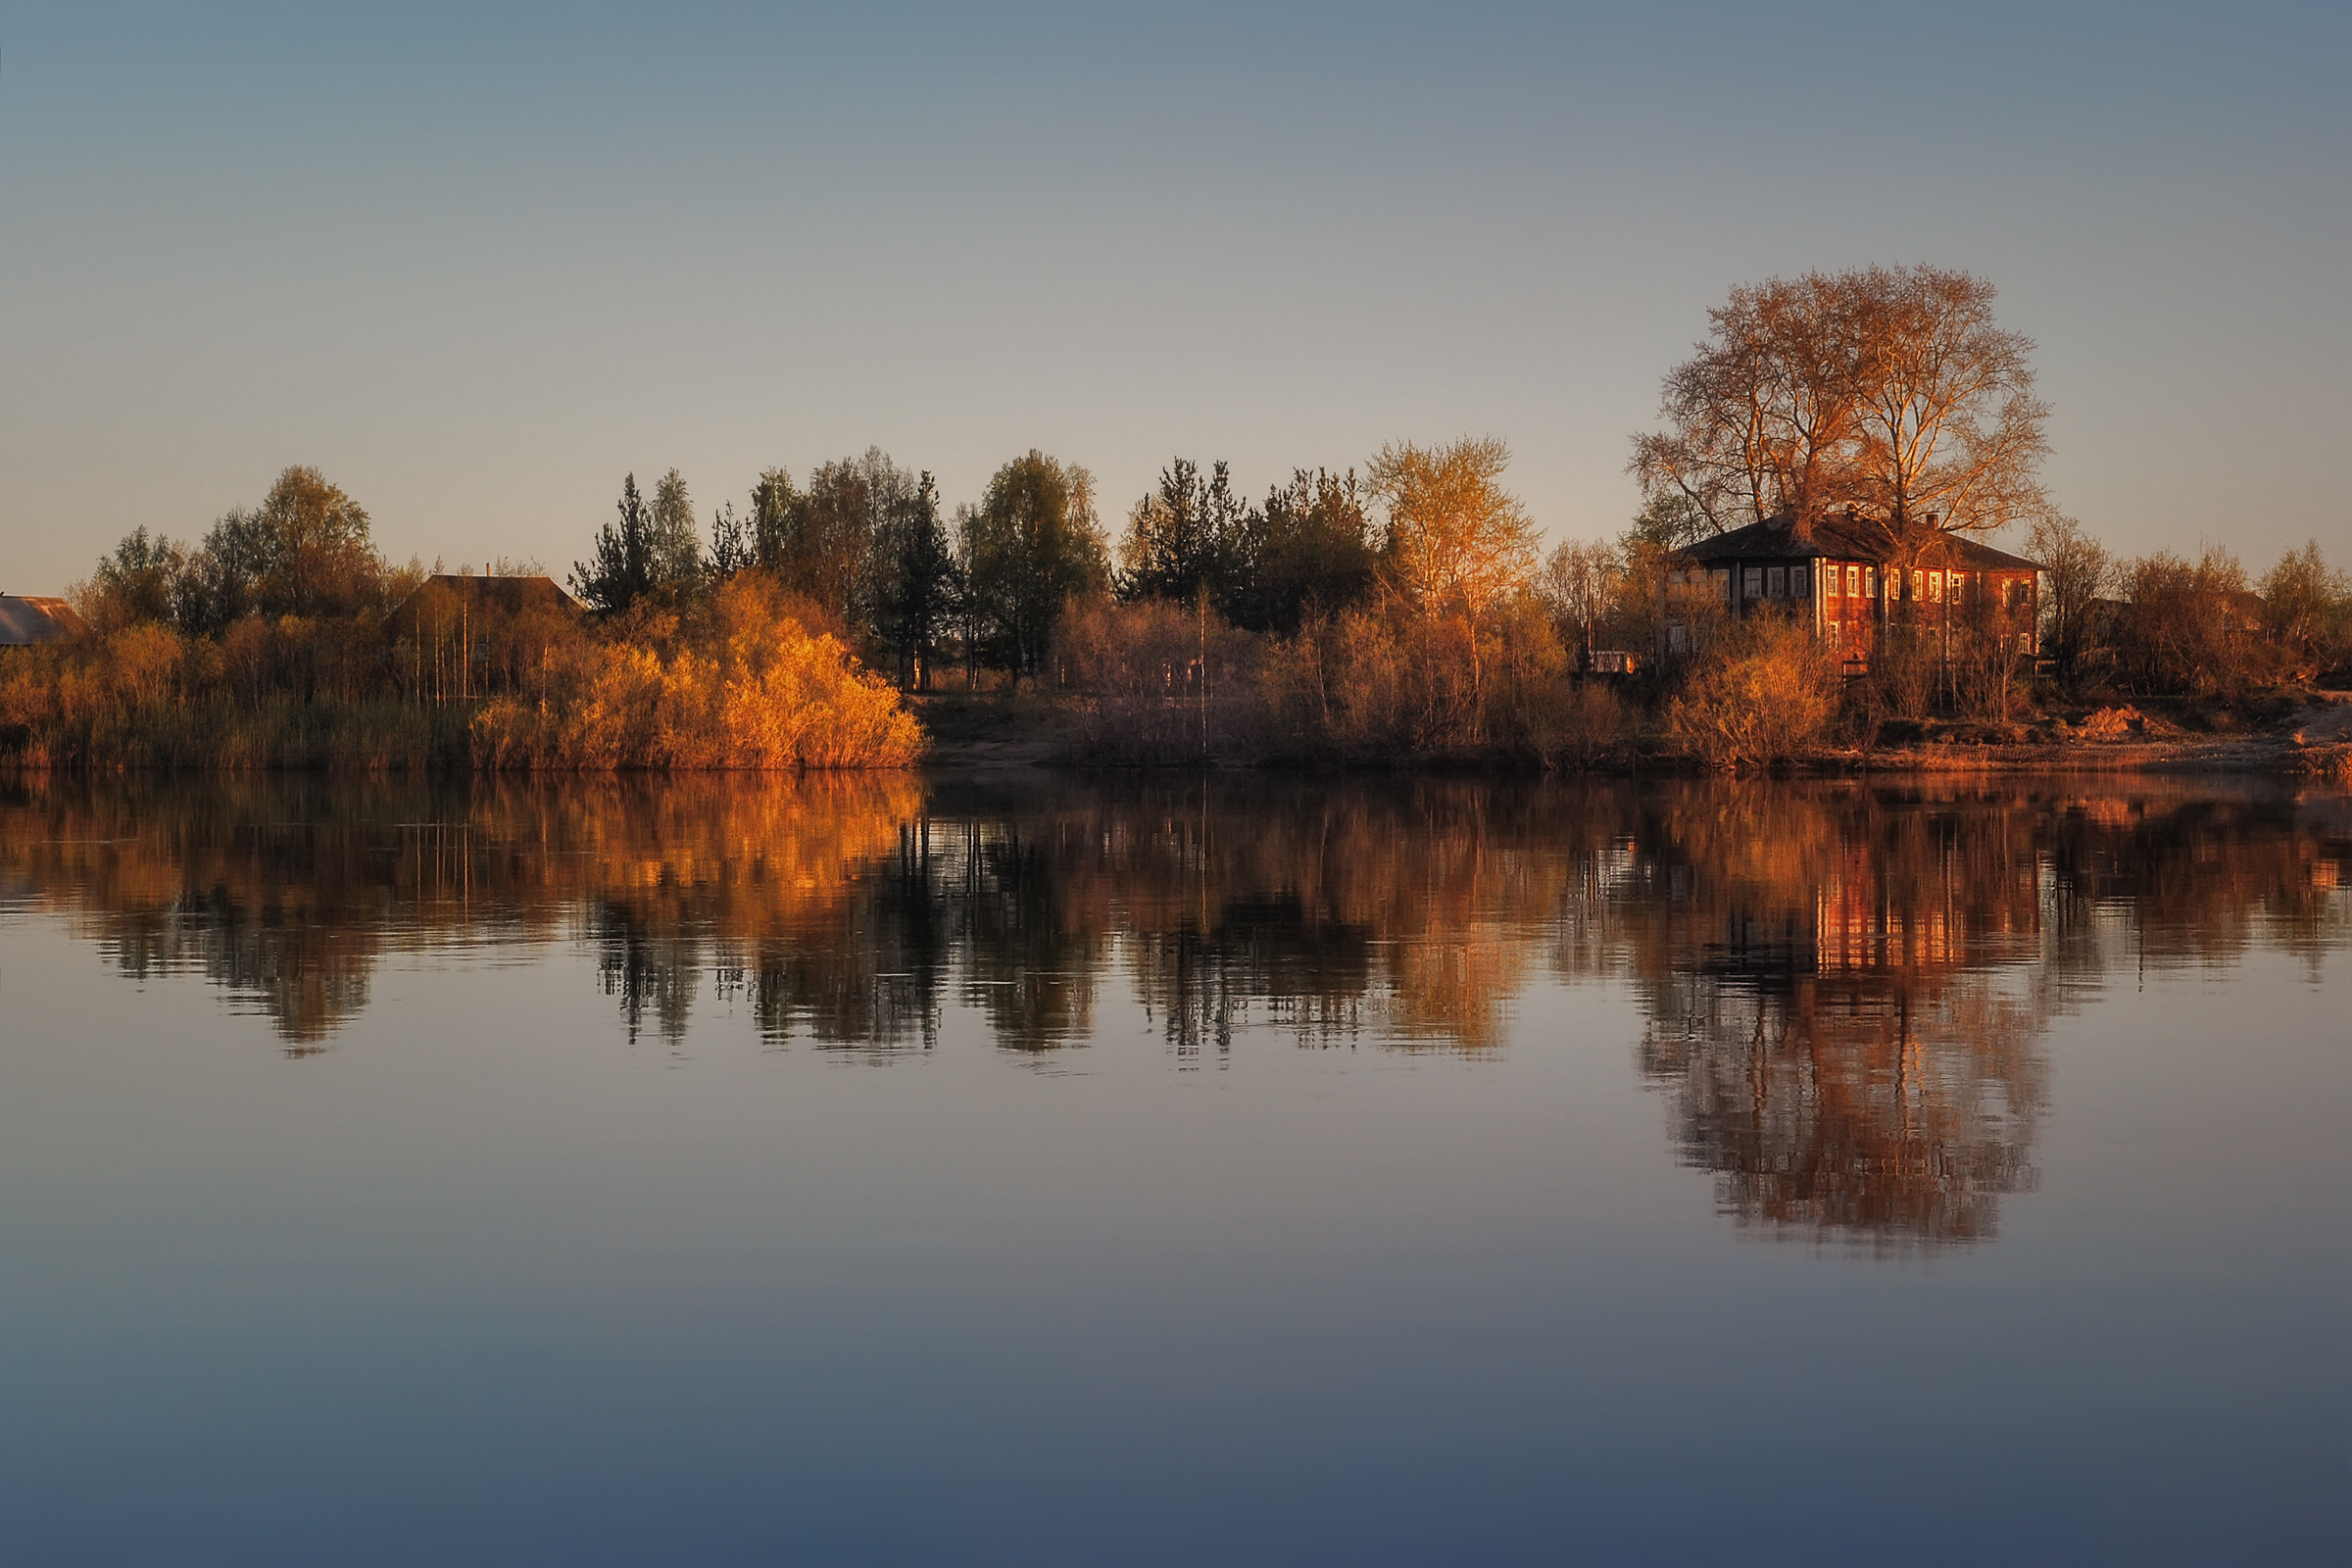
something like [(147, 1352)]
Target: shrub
[(1158, 683), (741, 682), (1375, 683), (1765, 691), (2188, 626), (744, 685)]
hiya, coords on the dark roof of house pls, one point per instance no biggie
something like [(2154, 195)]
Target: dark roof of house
[(1846, 537), (513, 595), (27, 619)]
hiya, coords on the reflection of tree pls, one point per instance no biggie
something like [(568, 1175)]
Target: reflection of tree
[(1846, 984), (1397, 907), (880, 987), (1825, 975), (287, 890), (1030, 963), (646, 967), (1867, 1111), (1310, 971), (263, 886), (782, 888)]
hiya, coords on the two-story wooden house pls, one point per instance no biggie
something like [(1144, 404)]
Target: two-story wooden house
[(1848, 578)]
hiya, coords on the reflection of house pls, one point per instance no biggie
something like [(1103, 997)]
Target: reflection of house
[(1856, 926), (1845, 1058), (1848, 576), (25, 619)]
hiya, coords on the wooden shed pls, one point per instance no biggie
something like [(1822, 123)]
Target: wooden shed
[(29, 618)]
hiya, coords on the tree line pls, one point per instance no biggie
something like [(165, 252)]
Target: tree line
[(1400, 606), (865, 545)]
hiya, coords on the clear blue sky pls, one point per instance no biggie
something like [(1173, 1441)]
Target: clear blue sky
[(477, 263)]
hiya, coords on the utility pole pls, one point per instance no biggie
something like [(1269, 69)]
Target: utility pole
[(1204, 608)]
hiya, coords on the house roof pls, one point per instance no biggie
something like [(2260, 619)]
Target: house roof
[(1846, 537), (27, 619), (513, 595)]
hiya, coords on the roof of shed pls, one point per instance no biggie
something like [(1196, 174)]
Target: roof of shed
[(27, 619), (513, 595)]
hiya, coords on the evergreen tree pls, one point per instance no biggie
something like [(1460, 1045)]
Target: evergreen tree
[(620, 570), (1310, 546), (921, 583), (1186, 538)]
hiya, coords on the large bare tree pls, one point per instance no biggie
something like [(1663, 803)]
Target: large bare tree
[(1889, 390), (1951, 428), (1761, 417)]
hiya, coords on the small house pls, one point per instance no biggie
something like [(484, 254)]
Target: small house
[(454, 593), (1848, 578)]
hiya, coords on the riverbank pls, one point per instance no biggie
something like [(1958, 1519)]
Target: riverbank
[(997, 732)]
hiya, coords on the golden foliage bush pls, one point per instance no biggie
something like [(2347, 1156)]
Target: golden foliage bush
[(741, 684), (1765, 691)]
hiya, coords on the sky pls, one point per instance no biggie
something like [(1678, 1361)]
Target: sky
[(477, 263)]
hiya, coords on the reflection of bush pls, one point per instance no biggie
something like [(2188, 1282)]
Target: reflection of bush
[(1846, 984)]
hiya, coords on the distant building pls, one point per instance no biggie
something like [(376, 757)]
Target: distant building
[(1847, 577), (26, 620), (448, 594)]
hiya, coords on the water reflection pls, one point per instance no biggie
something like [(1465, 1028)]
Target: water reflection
[(1846, 986), (1832, 1016)]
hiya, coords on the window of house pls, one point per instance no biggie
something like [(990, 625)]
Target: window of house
[(1935, 587), (1870, 582), (1835, 630), (1853, 582), (1723, 583), (1797, 582), (1919, 584), (1677, 636), (2025, 642), (1751, 584), (1959, 587), (1776, 584)]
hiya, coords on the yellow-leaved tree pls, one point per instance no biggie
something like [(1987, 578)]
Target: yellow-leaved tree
[(1458, 544)]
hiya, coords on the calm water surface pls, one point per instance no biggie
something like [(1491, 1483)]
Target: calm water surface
[(881, 1171)]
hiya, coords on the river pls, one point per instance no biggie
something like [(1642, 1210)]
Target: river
[(1265, 1169)]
